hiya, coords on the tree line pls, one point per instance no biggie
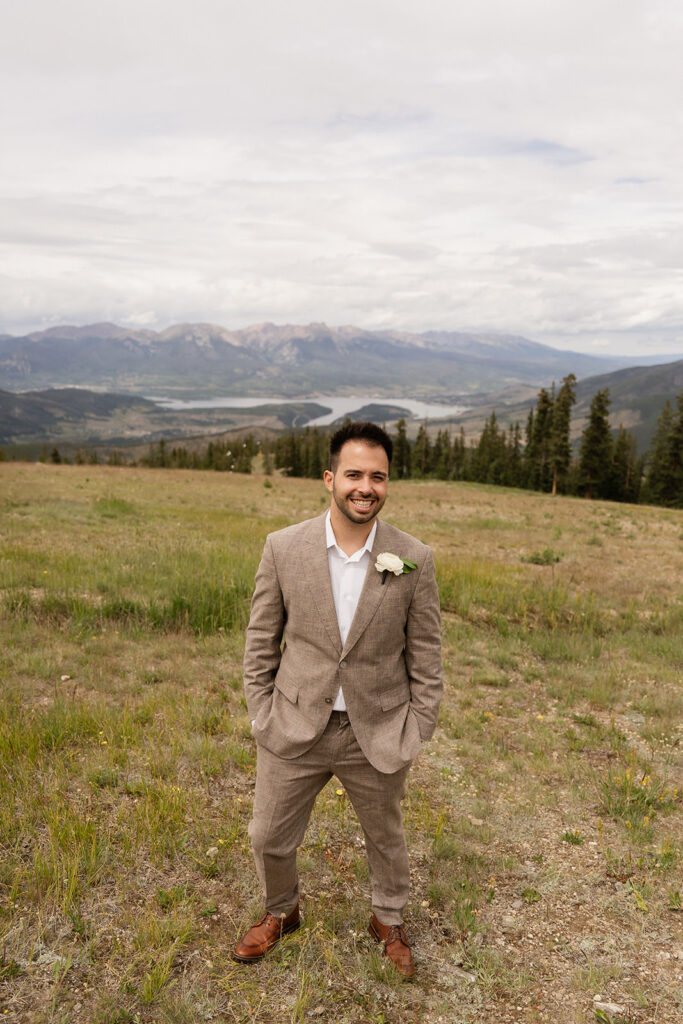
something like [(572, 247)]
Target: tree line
[(537, 457)]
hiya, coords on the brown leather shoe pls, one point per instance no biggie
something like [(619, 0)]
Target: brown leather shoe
[(263, 935), (396, 945)]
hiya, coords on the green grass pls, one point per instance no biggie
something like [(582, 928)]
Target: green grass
[(127, 765), (631, 792)]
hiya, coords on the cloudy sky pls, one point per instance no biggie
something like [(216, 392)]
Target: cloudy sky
[(414, 164)]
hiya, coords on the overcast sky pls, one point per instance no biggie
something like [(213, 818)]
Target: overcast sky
[(414, 164)]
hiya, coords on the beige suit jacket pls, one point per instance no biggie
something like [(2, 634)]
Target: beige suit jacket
[(390, 666)]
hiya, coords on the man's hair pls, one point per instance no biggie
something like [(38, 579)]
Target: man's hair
[(367, 432)]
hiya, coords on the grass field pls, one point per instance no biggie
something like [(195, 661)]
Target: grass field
[(544, 820)]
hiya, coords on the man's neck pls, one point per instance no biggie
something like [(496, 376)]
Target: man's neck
[(350, 537)]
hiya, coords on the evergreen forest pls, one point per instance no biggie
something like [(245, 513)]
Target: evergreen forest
[(539, 456)]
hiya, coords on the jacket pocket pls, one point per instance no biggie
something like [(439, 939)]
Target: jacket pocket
[(392, 698), (288, 687)]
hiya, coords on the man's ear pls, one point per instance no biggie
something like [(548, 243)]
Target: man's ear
[(328, 479)]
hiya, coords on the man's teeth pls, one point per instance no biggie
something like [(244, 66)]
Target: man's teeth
[(364, 503)]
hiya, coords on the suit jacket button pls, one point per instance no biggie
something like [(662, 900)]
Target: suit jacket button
[(328, 700), (342, 664)]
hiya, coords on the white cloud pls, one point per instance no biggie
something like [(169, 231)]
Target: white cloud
[(512, 167)]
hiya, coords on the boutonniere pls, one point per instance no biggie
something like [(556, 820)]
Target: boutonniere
[(386, 563)]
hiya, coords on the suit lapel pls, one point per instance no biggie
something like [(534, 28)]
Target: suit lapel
[(319, 582), (371, 595)]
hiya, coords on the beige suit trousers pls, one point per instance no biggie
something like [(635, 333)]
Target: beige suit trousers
[(286, 789)]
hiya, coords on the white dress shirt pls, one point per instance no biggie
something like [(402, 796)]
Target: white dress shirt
[(347, 575)]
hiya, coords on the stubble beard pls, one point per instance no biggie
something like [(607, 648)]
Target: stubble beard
[(353, 514)]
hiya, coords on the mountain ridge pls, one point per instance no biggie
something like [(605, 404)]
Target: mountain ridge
[(287, 360), (637, 396)]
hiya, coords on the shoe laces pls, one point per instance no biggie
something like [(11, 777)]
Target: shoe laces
[(396, 933)]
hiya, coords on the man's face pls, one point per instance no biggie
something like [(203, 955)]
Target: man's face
[(359, 483)]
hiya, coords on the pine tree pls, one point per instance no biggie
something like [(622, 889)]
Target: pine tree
[(438, 454), (401, 461), (677, 457), (664, 483), (514, 476), (315, 459), (541, 474), (659, 469), (596, 448), (459, 457), (243, 454), (623, 484), (422, 453), (489, 457), (529, 451), (289, 455), (560, 448)]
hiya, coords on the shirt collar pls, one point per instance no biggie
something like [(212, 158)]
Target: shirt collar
[(331, 540)]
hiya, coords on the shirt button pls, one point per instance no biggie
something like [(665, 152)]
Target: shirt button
[(328, 700)]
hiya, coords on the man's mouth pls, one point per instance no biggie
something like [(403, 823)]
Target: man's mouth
[(362, 504)]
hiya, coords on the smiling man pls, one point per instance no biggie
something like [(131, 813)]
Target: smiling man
[(343, 677)]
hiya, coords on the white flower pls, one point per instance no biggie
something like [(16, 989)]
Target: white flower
[(386, 562)]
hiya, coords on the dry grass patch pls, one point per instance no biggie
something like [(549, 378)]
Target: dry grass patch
[(544, 819)]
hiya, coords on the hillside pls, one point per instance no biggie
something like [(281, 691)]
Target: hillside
[(544, 818), (287, 361), (637, 394), (76, 416)]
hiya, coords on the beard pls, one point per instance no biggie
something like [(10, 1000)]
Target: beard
[(355, 515)]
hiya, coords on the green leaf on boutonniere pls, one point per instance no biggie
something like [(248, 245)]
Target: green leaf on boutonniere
[(389, 563)]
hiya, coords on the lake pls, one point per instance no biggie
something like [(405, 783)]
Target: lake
[(339, 405)]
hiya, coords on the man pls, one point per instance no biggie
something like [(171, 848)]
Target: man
[(353, 691)]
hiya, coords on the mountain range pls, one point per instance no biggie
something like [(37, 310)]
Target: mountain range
[(286, 361), (40, 404)]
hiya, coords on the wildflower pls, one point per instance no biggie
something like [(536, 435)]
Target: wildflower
[(339, 792), (646, 821), (629, 825)]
